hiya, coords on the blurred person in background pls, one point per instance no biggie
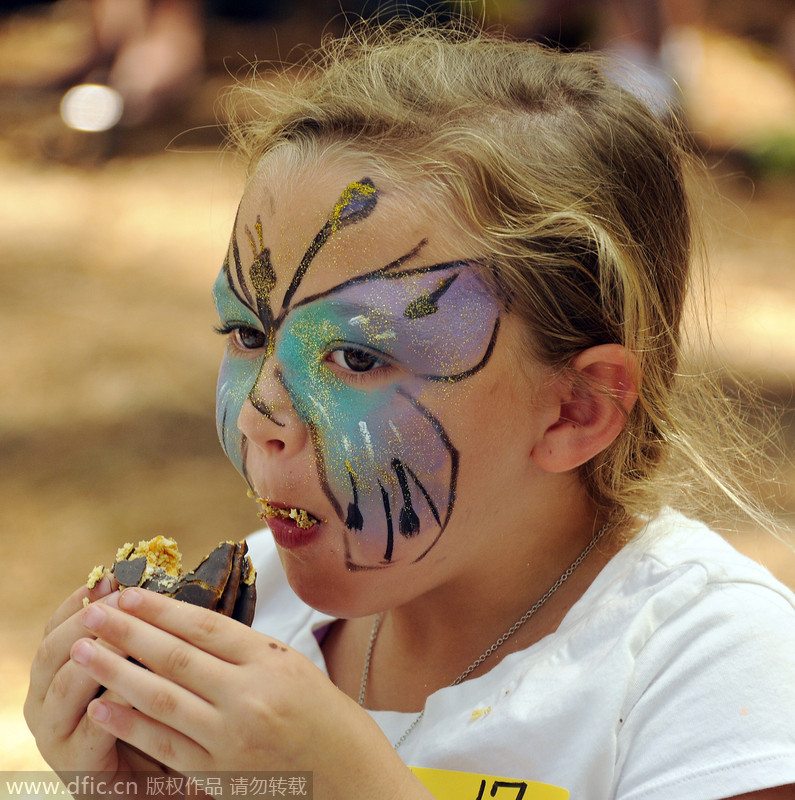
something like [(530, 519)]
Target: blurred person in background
[(150, 51)]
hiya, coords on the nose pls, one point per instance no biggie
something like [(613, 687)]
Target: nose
[(268, 418)]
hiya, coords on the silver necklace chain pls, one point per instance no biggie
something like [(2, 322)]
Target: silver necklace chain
[(497, 644)]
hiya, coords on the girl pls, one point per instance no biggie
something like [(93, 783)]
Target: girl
[(453, 301)]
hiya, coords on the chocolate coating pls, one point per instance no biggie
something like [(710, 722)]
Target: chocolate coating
[(222, 582)]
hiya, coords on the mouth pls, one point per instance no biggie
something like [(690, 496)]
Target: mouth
[(299, 516)]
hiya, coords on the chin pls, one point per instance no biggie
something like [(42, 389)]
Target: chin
[(330, 588)]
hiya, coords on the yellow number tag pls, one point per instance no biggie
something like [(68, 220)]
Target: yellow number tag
[(445, 784)]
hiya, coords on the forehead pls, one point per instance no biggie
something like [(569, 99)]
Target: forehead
[(286, 205)]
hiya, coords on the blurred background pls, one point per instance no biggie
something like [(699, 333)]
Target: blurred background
[(113, 227)]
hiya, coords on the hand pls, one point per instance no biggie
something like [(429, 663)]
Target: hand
[(217, 695), (59, 692)]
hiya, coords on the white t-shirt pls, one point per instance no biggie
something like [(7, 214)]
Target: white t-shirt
[(671, 678)]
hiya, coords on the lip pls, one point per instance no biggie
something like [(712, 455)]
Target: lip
[(275, 510), (287, 532), (288, 535)]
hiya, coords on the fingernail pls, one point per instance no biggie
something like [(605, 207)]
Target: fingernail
[(112, 600), (102, 588), (130, 599), (99, 711), (93, 617), (82, 652)]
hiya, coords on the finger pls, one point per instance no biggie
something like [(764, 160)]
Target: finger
[(62, 728), (209, 631), (90, 738), (76, 601), (153, 695), (169, 656), (166, 745), (53, 652), (54, 716), (64, 704)]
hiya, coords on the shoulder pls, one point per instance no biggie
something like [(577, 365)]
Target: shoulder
[(677, 595), (694, 598), (713, 654), (676, 542), (677, 571), (680, 596)]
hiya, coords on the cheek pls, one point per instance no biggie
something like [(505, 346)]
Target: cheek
[(235, 381), (386, 463)]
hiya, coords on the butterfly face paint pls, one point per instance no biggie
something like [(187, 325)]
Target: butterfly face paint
[(354, 361)]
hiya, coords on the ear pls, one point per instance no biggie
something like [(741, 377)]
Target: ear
[(593, 399)]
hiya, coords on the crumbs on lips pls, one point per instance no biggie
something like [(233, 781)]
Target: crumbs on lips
[(302, 518)]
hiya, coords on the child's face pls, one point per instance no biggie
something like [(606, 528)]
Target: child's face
[(354, 383)]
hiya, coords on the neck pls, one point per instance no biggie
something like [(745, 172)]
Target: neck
[(424, 647)]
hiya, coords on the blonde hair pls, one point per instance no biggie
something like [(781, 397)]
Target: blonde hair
[(573, 188)]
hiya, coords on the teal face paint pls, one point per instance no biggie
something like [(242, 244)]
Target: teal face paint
[(386, 463), (237, 375)]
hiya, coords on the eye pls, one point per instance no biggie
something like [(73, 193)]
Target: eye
[(244, 337), (355, 360), (249, 338)]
